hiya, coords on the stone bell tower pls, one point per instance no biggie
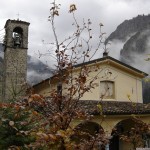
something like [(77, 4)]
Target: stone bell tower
[(15, 59)]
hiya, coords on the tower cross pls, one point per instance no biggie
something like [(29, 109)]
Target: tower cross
[(18, 16)]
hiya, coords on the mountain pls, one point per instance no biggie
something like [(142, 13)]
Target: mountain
[(36, 70), (135, 36), (136, 45), (128, 27)]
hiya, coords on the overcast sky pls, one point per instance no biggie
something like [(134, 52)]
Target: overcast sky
[(110, 12)]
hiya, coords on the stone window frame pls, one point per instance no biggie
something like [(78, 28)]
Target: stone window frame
[(114, 89)]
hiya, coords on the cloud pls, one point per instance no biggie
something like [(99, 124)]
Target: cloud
[(115, 47), (33, 77), (111, 13), (141, 63)]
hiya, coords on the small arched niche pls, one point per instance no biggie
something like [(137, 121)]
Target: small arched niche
[(17, 36)]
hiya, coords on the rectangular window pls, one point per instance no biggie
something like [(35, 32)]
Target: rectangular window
[(107, 90)]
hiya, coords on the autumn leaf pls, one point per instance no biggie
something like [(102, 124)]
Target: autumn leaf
[(82, 79), (72, 8), (52, 137), (42, 135), (35, 97), (129, 97), (35, 113), (45, 136), (56, 13), (61, 133)]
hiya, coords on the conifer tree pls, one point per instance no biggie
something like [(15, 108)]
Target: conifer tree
[(16, 123)]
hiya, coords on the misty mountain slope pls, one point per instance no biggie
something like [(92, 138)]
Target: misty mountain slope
[(36, 70), (135, 33), (137, 45), (129, 27)]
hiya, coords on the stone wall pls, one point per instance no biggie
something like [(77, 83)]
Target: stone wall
[(15, 60)]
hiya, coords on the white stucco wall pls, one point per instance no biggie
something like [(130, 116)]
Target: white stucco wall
[(128, 87)]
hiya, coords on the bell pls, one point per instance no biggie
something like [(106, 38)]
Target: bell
[(17, 40)]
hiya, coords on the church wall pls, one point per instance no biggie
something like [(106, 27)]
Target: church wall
[(108, 122), (127, 86)]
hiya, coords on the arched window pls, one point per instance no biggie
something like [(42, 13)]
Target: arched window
[(17, 36), (89, 132), (130, 134)]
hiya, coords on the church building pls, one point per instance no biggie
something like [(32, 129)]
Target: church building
[(115, 102)]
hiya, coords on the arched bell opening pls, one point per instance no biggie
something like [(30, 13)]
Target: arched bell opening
[(129, 134), (17, 37), (90, 135)]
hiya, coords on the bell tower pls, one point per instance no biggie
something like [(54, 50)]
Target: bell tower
[(15, 59)]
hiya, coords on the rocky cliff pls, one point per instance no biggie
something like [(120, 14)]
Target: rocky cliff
[(129, 27), (136, 45)]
